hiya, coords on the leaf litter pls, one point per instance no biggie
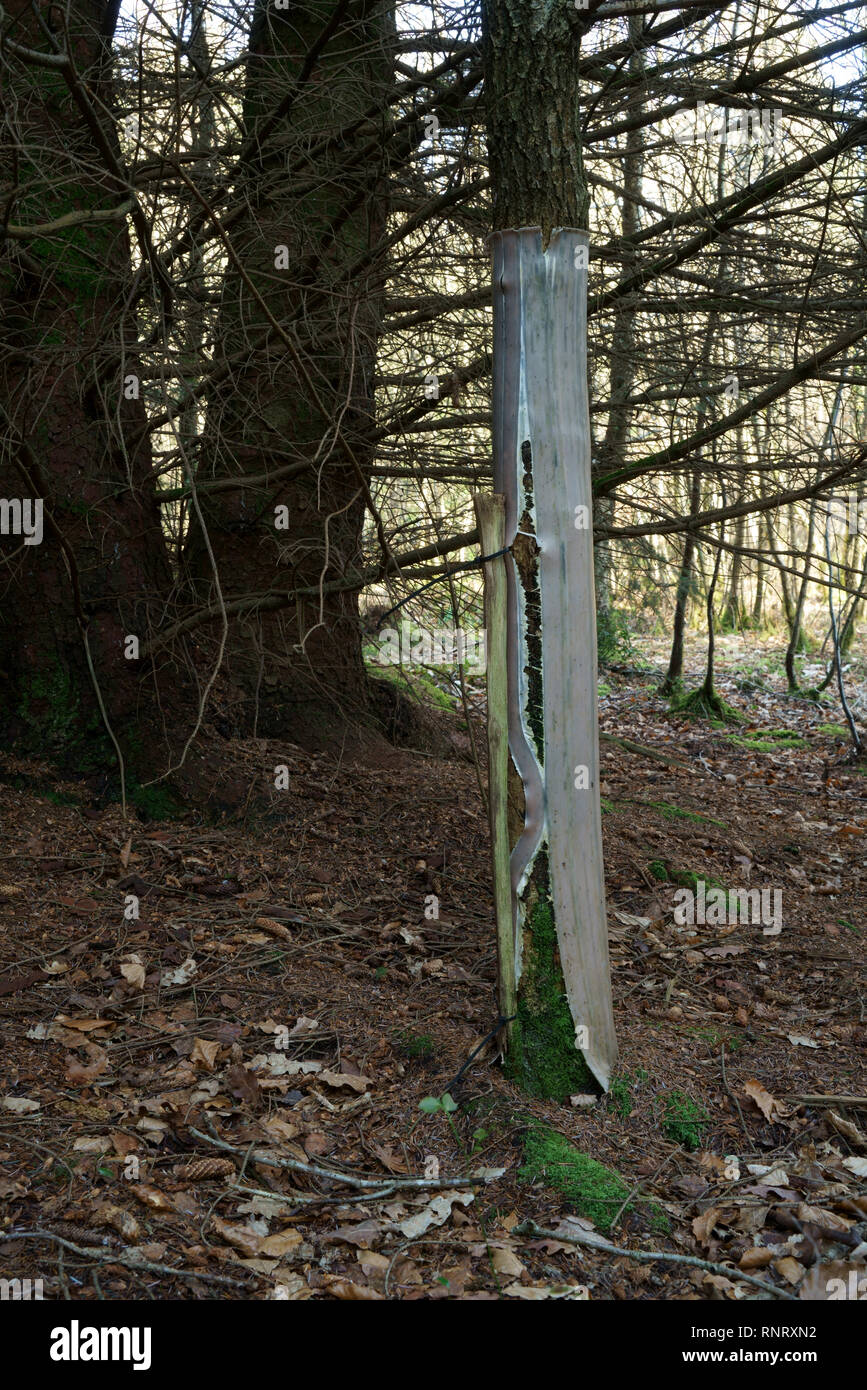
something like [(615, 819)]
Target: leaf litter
[(222, 1097)]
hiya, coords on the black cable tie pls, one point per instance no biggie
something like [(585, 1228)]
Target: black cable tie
[(454, 569), (501, 1023)]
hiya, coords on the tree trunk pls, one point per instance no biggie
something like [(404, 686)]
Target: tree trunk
[(302, 303), (542, 466), (674, 675), (796, 634), (623, 362), (72, 435)]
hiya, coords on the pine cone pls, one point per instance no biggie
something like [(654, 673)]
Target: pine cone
[(206, 1168)]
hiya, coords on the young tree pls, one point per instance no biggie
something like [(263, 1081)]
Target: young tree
[(542, 465)]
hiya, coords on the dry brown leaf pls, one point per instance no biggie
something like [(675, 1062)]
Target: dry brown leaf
[(345, 1289), (132, 969), (790, 1270), (120, 1220), (406, 1272), (847, 1129), (389, 1160), (204, 1054), (858, 1166), (505, 1261), (702, 1226), (756, 1258), (820, 1216), (336, 1079), (576, 1292), (20, 1105), (435, 1213), (80, 1075), (722, 1287), (150, 1196), (723, 1167), (242, 1237), (303, 1026), (289, 1286), (281, 1242), (771, 1108), (242, 1084), (363, 1235)]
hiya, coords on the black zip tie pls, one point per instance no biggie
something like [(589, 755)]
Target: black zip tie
[(455, 569), (501, 1023)]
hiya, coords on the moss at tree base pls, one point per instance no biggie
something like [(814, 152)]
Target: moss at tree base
[(543, 1058), (706, 704)]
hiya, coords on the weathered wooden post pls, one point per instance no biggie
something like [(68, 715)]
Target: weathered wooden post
[(491, 519)]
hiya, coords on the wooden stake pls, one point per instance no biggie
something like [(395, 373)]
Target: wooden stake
[(491, 519)]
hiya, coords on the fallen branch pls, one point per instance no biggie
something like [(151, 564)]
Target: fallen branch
[(642, 750), (857, 1101), (594, 1242), (377, 1184), (129, 1258)]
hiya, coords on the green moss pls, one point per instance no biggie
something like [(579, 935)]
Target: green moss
[(688, 878), (833, 730), (421, 686), (619, 1092), (543, 1058), (685, 1120), (677, 813), (414, 1045), (60, 798), (48, 704), (591, 1189), (768, 742), (619, 1099), (154, 802), (658, 870), (706, 704)]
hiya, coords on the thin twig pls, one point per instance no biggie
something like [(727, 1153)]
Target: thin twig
[(129, 1258), (593, 1242), (331, 1175)]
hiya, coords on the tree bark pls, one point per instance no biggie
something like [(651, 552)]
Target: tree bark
[(542, 466), (309, 321), (623, 361), (72, 436)]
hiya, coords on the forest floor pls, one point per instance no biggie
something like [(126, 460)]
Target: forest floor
[(221, 1099)]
